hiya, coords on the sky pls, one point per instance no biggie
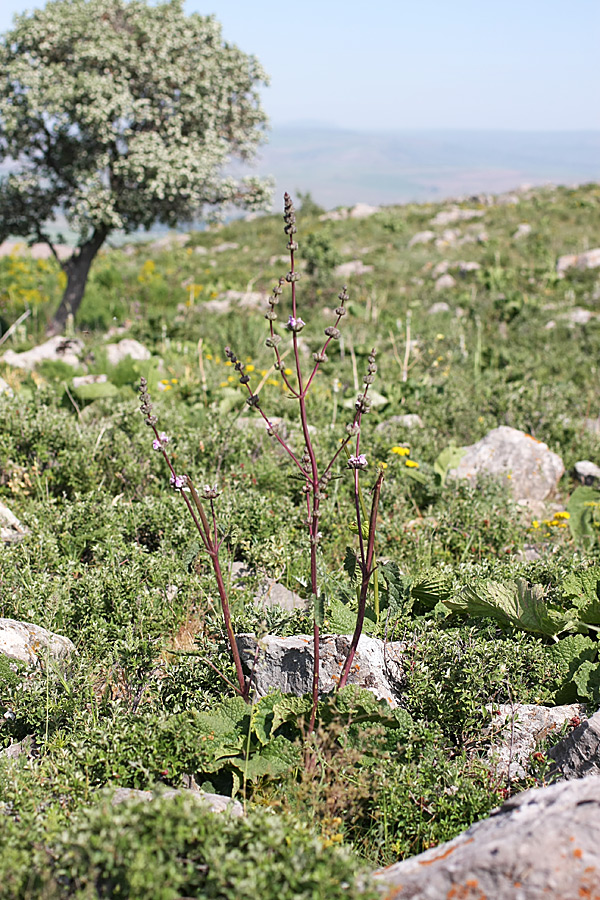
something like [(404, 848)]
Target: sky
[(390, 65)]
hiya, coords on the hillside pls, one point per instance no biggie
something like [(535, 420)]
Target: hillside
[(484, 315)]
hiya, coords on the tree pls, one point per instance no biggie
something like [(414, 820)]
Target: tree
[(121, 115)]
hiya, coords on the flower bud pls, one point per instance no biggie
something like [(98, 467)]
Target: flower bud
[(333, 333)]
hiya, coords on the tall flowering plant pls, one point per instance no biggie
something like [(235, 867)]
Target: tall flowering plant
[(316, 477)]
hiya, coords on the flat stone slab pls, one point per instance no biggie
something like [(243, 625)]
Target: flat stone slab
[(543, 844), (31, 643), (528, 466), (578, 754), (286, 664), (11, 530), (214, 802), (67, 350), (521, 728), (127, 347)]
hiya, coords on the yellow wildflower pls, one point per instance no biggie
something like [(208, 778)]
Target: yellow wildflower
[(401, 451), (411, 464), (250, 368), (562, 515), (287, 371)]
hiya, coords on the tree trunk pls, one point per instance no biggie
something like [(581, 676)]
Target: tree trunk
[(77, 269)]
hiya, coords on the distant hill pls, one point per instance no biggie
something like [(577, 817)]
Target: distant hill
[(343, 167)]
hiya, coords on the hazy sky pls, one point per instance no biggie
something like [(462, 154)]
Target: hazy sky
[(394, 64)]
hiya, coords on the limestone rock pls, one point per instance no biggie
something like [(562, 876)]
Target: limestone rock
[(5, 388), (26, 747), (67, 350), (354, 267), (456, 214), (588, 260), (421, 237), (578, 316), (520, 728), (531, 470), (543, 843), (31, 644), (84, 380), (397, 423), (445, 282), (523, 230), (11, 530), (587, 472), (441, 306), (215, 802), (578, 754), (363, 211), (225, 247), (229, 300), (287, 664), (271, 593), (115, 353)]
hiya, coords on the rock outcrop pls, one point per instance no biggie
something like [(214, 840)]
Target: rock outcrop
[(543, 843), (529, 467), (31, 643), (286, 664)]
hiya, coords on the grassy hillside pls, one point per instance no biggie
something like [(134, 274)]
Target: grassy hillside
[(112, 562)]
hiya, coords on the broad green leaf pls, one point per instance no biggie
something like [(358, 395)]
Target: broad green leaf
[(583, 591), (584, 511), (414, 474), (587, 680), (350, 562), (568, 654), (95, 391), (514, 603), (431, 589), (290, 709), (448, 459)]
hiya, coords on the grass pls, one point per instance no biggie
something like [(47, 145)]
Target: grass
[(111, 562)]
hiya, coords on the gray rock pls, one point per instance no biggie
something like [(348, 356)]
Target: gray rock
[(354, 267), (31, 644), (441, 306), (215, 802), (168, 241), (335, 215), (588, 260), (363, 211), (225, 246), (421, 237), (271, 593), (523, 230), (115, 353), (441, 268), (521, 728), (229, 300), (543, 843), (83, 380), (11, 530), (456, 214), (26, 747), (578, 316), (466, 266), (449, 237), (445, 282), (587, 472), (287, 664), (578, 754), (592, 425), (530, 469), (397, 423), (67, 350), (5, 388)]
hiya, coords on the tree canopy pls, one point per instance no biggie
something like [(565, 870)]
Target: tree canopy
[(118, 115)]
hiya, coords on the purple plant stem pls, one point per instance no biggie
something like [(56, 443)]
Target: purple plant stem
[(364, 587)]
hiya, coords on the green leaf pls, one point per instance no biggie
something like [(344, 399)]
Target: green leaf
[(448, 459), (364, 528), (98, 391), (568, 654), (431, 589), (319, 609), (584, 511), (514, 603), (414, 474), (289, 709), (350, 562), (583, 590), (587, 680)]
